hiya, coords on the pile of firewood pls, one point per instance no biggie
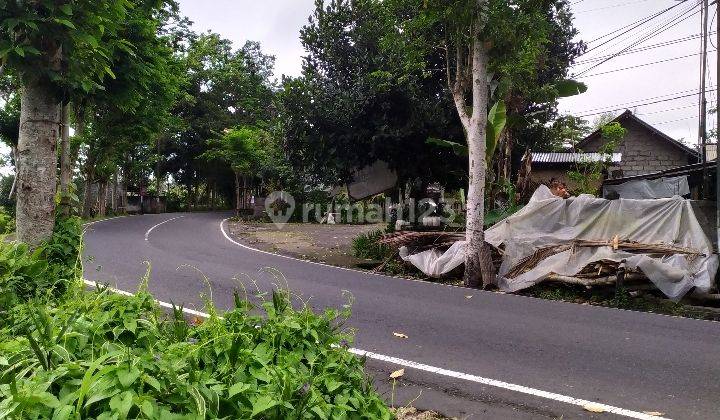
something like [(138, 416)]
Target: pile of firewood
[(420, 241), (603, 271)]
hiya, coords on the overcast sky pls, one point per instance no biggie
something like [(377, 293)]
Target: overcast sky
[(655, 82), (276, 24)]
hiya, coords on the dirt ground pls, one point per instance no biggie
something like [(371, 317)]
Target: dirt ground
[(329, 244)]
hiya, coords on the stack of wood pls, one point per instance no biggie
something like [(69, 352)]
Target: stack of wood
[(603, 271), (420, 241)]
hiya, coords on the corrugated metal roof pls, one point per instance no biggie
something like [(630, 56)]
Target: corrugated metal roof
[(565, 157)]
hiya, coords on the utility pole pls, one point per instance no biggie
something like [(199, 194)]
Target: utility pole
[(158, 180), (717, 130), (703, 102)]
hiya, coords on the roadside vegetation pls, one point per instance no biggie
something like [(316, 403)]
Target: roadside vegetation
[(66, 352), (634, 300)]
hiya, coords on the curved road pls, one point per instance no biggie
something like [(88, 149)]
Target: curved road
[(637, 362)]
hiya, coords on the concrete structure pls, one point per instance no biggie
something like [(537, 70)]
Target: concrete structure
[(644, 149)]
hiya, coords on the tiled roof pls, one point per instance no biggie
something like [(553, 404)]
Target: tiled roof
[(565, 157)]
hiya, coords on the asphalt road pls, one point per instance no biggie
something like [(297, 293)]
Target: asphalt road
[(636, 361)]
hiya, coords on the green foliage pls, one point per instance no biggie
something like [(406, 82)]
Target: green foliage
[(10, 119), (497, 119), (244, 149), (568, 87), (530, 47), (355, 104), (223, 88), (366, 246), (7, 223), (67, 42), (42, 272), (588, 175), (68, 353), (103, 356), (7, 203)]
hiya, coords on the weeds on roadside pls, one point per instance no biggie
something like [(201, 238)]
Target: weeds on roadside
[(46, 271), (68, 353), (366, 246), (100, 355)]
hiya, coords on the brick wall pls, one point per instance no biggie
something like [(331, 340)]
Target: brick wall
[(643, 152)]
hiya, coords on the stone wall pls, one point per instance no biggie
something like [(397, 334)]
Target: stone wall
[(643, 152)]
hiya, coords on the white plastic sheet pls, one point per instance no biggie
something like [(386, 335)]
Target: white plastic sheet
[(650, 188), (435, 263), (550, 220)]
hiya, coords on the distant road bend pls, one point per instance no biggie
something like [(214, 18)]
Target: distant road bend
[(468, 353)]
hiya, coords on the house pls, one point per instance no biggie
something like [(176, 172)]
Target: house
[(644, 149), (547, 166)]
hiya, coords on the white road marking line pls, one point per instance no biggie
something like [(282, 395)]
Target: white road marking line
[(372, 273), (159, 302), (449, 373), (147, 234), (435, 283), (505, 385)]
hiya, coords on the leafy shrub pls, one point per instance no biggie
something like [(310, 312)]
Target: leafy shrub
[(366, 246), (7, 223), (103, 356), (44, 271)]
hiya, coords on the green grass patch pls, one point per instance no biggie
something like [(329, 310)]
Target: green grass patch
[(644, 301), (366, 246)]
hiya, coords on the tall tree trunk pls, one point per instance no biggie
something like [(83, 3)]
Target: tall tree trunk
[(113, 197), (237, 194), (37, 163), (158, 176), (213, 196), (89, 180), (79, 133), (102, 193), (473, 76), (245, 193), (65, 166), (125, 181)]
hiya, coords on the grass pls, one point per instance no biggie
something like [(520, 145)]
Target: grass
[(622, 299)]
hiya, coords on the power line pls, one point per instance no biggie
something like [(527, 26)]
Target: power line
[(645, 48), (642, 65), (637, 105), (644, 34), (633, 103), (667, 25), (668, 110), (674, 121), (610, 7), (631, 25)]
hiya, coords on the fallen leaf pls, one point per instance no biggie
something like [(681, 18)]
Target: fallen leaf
[(397, 374), (594, 408), (654, 413), (400, 335)]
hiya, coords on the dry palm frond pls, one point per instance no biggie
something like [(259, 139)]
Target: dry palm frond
[(420, 239), (599, 267)]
